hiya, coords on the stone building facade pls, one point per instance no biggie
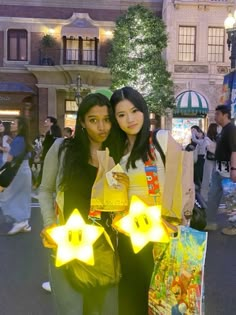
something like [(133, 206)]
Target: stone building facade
[(37, 80), (197, 54)]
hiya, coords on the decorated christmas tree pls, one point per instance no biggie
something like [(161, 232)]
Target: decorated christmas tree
[(136, 57)]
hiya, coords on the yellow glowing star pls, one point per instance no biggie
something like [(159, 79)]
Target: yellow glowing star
[(144, 224), (75, 240)]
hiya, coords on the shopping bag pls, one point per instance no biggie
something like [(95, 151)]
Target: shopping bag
[(179, 191), (177, 282), (229, 193), (105, 196)]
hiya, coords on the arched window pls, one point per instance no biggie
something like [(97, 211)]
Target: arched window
[(17, 44)]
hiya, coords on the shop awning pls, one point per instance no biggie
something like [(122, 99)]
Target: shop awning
[(80, 27), (15, 87), (191, 103)]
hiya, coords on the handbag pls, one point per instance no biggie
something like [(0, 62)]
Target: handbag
[(9, 170), (199, 219), (210, 156), (105, 272)]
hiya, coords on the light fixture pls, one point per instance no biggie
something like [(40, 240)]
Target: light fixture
[(109, 33), (78, 97), (51, 31), (5, 112), (230, 26), (229, 21)]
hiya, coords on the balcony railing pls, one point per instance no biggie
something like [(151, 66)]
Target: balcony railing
[(53, 57)]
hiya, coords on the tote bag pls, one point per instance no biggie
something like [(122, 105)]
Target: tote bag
[(177, 284)]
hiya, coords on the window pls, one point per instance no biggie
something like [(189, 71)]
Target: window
[(88, 51), (216, 41), (187, 43), (70, 113), (72, 52), (81, 51), (17, 45)]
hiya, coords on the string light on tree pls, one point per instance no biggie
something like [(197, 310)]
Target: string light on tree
[(136, 58)]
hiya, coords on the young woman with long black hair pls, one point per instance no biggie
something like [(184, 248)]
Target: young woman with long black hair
[(71, 167), (135, 154)]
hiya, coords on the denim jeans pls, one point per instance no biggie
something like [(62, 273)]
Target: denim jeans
[(214, 197), (69, 301)]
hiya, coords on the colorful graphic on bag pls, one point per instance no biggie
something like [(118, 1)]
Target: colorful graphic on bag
[(152, 179), (152, 172), (177, 282), (229, 191)]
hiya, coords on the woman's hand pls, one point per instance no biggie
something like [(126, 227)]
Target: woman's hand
[(46, 238), (122, 178)]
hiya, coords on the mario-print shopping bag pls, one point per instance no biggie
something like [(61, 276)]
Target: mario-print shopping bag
[(177, 282)]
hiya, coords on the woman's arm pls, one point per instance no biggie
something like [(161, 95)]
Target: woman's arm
[(5, 145), (48, 185), (196, 140), (17, 148)]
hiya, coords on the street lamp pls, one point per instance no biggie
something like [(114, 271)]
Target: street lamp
[(78, 97), (230, 26)]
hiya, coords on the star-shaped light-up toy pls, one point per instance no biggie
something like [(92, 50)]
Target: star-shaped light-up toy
[(143, 224), (75, 240)]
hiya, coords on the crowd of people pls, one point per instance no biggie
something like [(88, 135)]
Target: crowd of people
[(69, 165), (214, 161)]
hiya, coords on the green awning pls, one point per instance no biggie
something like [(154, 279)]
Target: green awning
[(191, 102)]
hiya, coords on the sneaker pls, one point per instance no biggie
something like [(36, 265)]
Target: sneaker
[(46, 286), (34, 195), (211, 227), (26, 229), (18, 227), (232, 218), (230, 230)]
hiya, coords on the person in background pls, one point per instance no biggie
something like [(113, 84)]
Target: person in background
[(35, 160), (68, 132), (225, 156), (2, 129), (209, 165), (53, 131), (15, 199), (6, 141), (71, 166), (198, 137), (131, 113)]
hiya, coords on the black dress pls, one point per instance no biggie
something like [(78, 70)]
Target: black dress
[(79, 196)]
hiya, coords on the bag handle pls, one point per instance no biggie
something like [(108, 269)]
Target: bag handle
[(158, 146)]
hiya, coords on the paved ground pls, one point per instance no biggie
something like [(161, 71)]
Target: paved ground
[(220, 273), (23, 268)]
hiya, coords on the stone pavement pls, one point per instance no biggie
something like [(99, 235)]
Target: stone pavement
[(220, 272), (23, 268)]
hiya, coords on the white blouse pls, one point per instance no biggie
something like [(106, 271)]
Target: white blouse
[(137, 176)]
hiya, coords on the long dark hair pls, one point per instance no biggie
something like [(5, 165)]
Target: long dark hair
[(212, 131), (23, 131), (141, 148), (77, 148)]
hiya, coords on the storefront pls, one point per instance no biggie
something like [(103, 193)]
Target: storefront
[(16, 99), (191, 109)]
